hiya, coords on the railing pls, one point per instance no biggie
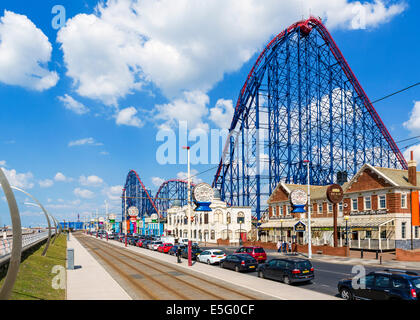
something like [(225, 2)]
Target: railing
[(28, 240)]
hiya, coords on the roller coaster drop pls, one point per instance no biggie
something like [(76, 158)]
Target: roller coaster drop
[(301, 101)]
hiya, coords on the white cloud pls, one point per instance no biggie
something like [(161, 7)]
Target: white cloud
[(24, 53), (92, 181), (85, 141), (128, 117), (46, 183), (60, 177), (113, 193), (416, 151), (222, 113), (20, 180), (157, 181), (191, 108), (413, 124), (184, 176), (187, 45), (83, 193), (3, 163), (71, 104)]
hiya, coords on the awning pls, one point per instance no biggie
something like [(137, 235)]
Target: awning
[(353, 222)]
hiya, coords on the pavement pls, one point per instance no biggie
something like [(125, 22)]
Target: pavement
[(387, 258), (89, 280), (275, 289)]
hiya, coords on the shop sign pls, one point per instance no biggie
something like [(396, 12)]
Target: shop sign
[(299, 227), (335, 193)]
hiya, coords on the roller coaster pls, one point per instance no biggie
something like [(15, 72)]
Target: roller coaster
[(301, 103)]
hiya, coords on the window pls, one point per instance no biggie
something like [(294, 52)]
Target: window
[(213, 234), (382, 202), (399, 283), (368, 234), (354, 204), (403, 229), (228, 220), (367, 281), (368, 203), (403, 200), (382, 281), (330, 207), (241, 217), (281, 210), (416, 232), (319, 208), (206, 218), (340, 207)]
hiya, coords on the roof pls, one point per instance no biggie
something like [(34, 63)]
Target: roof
[(400, 177)]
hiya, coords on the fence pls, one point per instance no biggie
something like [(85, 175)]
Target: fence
[(28, 240)]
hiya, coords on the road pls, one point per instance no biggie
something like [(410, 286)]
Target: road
[(327, 274)]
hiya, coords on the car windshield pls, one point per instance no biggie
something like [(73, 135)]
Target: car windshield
[(218, 253), (259, 250), (247, 258), (416, 282), (303, 265)]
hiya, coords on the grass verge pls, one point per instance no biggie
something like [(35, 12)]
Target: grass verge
[(34, 281)]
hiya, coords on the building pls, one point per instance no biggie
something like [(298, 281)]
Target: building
[(222, 222), (376, 211)]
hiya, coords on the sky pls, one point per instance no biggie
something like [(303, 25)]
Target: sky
[(87, 85)]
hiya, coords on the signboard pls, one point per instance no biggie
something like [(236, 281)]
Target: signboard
[(298, 199), (335, 193), (299, 227), (133, 211), (203, 196)]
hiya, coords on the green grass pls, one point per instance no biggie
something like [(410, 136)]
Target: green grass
[(34, 281)]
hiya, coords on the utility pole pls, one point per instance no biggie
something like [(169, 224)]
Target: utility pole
[(189, 207), (309, 213)]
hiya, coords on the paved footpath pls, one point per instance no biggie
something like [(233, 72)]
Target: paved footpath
[(89, 280), (275, 289)]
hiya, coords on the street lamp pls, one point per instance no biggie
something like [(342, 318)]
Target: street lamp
[(309, 212), (281, 229), (189, 206), (346, 218)]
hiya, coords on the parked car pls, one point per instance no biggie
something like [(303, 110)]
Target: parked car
[(239, 262), (390, 284), (174, 248), (195, 251), (140, 243), (211, 256), (145, 244), (165, 247), (257, 253), (154, 245), (287, 270)]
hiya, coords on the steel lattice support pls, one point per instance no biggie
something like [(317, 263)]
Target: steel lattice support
[(301, 101)]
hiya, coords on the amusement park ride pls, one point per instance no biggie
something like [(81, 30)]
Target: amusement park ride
[(301, 101)]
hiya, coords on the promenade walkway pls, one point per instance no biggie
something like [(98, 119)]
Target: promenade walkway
[(89, 280)]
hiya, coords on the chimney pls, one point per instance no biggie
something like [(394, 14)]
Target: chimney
[(412, 170)]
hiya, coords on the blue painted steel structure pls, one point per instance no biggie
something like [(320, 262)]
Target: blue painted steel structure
[(135, 194), (301, 101)]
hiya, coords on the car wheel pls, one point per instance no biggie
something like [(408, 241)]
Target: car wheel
[(221, 264), (260, 274), (286, 280), (237, 269), (208, 262), (346, 294)]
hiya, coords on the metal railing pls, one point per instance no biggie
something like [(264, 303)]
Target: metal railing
[(28, 240)]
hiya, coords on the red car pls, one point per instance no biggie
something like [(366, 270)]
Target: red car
[(257, 253), (165, 247), (139, 243)]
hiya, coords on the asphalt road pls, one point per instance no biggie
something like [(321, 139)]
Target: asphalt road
[(327, 274)]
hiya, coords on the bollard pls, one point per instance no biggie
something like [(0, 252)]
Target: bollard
[(361, 254), (68, 236), (380, 261), (377, 254), (107, 237), (70, 259)]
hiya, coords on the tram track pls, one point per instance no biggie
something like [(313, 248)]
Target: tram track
[(163, 281)]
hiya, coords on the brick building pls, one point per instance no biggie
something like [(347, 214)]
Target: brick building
[(376, 208)]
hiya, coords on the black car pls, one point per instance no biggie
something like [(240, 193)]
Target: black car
[(145, 243), (239, 262), (133, 240), (195, 251), (390, 284), (287, 270)]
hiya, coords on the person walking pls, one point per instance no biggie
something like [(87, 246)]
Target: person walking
[(290, 246), (279, 246), (178, 254), (284, 246)]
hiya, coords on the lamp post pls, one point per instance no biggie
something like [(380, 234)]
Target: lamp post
[(281, 230), (346, 218), (309, 212), (189, 206)]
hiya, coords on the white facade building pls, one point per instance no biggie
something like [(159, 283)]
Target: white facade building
[(222, 222)]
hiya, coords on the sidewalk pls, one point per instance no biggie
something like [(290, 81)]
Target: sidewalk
[(275, 289), (370, 260), (89, 280)]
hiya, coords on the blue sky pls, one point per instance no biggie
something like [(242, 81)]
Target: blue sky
[(123, 76)]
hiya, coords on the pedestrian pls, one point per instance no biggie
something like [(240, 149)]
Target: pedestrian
[(178, 254), (284, 244), (290, 246), (278, 246)]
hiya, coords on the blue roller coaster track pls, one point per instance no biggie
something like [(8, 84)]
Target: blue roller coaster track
[(300, 102)]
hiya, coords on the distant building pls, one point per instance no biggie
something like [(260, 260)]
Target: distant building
[(222, 222), (377, 202)]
